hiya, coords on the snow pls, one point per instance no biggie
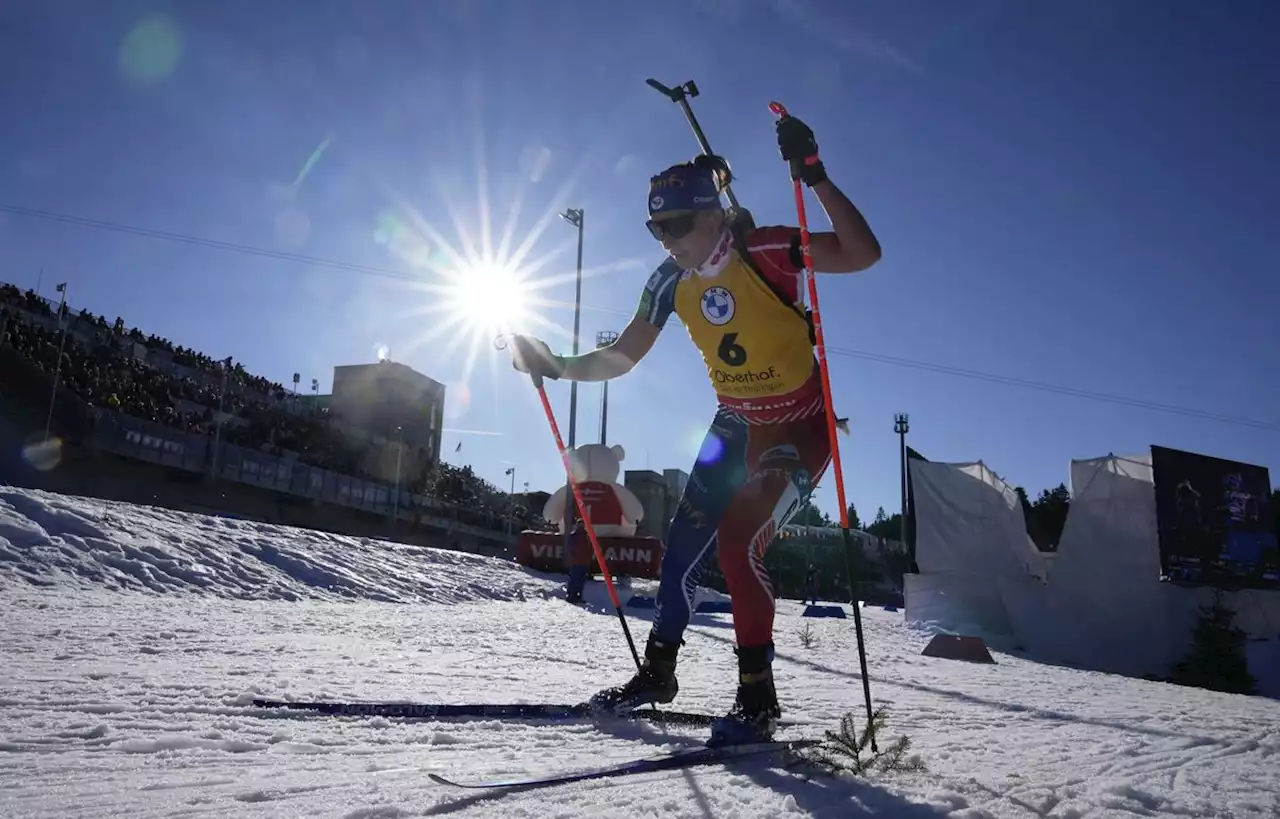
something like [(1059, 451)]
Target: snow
[(134, 639), (62, 541)]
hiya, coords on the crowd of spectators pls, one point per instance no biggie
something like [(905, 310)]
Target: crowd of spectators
[(145, 376), (96, 372)]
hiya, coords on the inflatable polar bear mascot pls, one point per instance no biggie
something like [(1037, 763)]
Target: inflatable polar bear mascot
[(613, 508)]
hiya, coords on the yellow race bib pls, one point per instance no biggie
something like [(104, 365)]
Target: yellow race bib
[(754, 345)]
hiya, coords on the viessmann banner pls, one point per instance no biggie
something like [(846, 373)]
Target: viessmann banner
[(629, 556)]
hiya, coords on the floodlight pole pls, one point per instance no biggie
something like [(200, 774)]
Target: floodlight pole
[(901, 426), (57, 370), (603, 339), (573, 216), (511, 500)]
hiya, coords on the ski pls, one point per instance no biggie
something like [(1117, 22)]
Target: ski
[(421, 710), (666, 762)]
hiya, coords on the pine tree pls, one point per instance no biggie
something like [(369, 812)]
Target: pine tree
[(1217, 659), (854, 522), (888, 527), (810, 515), (1050, 514)]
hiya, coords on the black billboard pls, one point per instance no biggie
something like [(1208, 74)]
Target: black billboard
[(1215, 521)]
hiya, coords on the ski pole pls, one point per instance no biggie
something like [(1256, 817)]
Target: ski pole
[(820, 345), (680, 96), (500, 343), (586, 519)]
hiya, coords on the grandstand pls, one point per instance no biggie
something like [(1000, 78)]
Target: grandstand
[(140, 419)]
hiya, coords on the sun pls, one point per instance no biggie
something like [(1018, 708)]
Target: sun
[(491, 298)]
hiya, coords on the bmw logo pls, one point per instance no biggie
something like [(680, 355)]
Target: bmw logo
[(717, 305)]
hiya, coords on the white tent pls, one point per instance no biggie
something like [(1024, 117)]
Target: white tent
[(1103, 606), (971, 542), (968, 519), (1110, 543), (1107, 607)]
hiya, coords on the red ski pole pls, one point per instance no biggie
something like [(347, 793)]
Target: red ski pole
[(500, 343), (820, 345)]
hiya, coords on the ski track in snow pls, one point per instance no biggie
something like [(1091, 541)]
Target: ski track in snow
[(135, 637)]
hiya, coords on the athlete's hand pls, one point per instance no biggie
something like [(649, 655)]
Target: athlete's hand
[(800, 150), (533, 356)]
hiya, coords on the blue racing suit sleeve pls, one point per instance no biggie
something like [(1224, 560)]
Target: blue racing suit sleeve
[(658, 301)]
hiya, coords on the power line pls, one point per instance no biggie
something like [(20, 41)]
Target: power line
[(1076, 392), (1026, 383), (234, 247), (386, 272)]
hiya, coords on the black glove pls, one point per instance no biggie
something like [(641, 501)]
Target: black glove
[(800, 150), (533, 356)]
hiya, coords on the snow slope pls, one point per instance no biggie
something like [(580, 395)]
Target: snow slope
[(63, 541), (133, 701)]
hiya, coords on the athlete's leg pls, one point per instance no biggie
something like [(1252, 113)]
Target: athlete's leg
[(691, 539), (718, 473), (785, 462)]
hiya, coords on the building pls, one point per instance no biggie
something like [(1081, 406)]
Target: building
[(395, 412), (659, 494), (534, 501), (651, 488), (675, 480)]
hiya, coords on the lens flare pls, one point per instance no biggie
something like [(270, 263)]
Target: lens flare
[(712, 449), (151, 50), (44, 455), (457, 400)]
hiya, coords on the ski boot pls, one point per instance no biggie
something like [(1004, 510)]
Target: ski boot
[(577, 582), (654, 682), (755, 712)]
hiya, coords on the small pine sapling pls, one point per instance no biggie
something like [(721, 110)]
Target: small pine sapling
[(848, 751)]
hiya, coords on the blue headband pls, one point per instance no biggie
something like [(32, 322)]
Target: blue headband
[(683, 187)]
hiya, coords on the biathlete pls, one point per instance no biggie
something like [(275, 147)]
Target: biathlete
[(738, 291)]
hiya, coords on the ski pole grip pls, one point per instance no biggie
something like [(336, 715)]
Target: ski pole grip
[(500, 343), (779, 110)]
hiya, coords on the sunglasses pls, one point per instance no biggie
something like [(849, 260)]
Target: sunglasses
[(676, 227)]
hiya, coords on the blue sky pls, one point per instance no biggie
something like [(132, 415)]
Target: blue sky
[(1081, 194)]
